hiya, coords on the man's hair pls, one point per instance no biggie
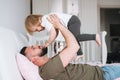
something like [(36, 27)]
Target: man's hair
[(23, 50), (44, 51)]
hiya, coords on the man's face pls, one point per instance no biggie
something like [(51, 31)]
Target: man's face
[(33, 51)]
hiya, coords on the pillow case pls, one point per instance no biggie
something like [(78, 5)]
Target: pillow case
[(117, 79), (28, 70)]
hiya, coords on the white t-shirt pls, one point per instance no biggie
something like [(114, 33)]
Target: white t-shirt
[(64, 18)]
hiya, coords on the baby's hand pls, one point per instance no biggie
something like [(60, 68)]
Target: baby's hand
[(45, 45), (53, 19)]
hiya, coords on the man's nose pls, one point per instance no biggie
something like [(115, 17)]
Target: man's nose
[(36, 46)]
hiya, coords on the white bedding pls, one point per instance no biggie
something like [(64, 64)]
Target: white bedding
[(8, 49)]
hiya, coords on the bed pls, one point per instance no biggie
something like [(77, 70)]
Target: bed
[(13, 65)]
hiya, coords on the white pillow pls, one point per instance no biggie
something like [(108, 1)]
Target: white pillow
[(8, 49), (117, 79), (28, 70)]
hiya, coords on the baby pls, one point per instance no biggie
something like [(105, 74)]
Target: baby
[(37, 23)]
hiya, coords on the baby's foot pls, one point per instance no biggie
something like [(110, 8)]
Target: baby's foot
[(98, 40)]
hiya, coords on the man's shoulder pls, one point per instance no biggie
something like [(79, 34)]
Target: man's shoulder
[(52, 68), (53, 60)]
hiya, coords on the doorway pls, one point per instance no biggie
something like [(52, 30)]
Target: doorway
[(110, 22)]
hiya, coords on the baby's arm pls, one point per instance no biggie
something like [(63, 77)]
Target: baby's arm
[(52, 37)]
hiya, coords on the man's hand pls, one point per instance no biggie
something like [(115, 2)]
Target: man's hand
[(36, 61), (45, 45)]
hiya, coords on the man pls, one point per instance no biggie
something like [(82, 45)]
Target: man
[(59, 67)]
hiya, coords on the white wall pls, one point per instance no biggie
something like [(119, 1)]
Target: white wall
[(88, 16), (47, 6), (13, 14), (40, 6), (73, 7), (56, 6)]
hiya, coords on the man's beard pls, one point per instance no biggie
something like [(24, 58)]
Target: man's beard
[(44, 52)]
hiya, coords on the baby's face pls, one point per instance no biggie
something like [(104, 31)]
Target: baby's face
[(37, 28)]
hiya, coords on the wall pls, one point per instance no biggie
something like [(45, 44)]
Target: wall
[(88, 12), (47, 6), (88, 16), (13, 14), (40, 6)]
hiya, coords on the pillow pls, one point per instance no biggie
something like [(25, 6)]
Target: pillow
[(117, 79), (8, 48), (28, 70)]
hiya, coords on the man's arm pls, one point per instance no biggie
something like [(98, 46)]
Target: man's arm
[(71, 44)]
